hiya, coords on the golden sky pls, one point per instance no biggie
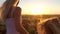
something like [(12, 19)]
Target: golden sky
[(40, 6)]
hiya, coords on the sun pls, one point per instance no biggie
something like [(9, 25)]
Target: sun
[(36, 10)]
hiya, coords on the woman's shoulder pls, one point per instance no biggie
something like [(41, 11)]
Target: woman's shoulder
[(15, 11), (17, 8)]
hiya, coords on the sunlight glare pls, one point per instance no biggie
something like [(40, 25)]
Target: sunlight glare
[(37, 10)]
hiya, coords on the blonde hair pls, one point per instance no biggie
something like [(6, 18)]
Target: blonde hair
[(7, 7)]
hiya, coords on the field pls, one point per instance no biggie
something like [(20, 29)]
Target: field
[(30, 21)]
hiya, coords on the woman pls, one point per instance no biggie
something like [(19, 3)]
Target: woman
[(12, 16)]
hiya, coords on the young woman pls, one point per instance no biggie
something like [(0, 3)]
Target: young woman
[(11, 15)]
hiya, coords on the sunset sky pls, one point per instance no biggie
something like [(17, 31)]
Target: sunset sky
[(39, 6)]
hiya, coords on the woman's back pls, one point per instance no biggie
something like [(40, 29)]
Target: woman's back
[(11, 29)]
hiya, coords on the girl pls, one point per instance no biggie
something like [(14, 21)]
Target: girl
[(11, 14)]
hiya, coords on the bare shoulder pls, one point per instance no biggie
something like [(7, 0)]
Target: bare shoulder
[(17, 12), (17, 8)]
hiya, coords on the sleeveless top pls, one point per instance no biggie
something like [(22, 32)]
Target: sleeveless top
[(10, 27)]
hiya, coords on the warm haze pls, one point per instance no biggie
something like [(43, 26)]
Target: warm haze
[(37, 7), (40, 6)]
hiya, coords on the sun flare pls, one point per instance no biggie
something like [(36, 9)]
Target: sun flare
[(37, 10)]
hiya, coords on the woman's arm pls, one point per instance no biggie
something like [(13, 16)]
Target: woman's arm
[(18, 24)]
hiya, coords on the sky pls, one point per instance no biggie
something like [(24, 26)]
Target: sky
[(39, 6)]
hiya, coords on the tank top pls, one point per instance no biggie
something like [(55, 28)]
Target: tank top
[(10, 27)]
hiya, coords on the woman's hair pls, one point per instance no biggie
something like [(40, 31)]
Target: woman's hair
[(6, 7)]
